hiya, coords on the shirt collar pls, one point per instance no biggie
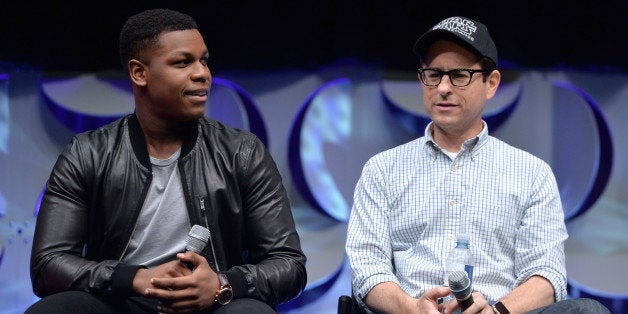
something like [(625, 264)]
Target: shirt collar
[(473, 144)]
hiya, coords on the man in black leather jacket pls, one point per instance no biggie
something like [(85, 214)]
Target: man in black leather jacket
[(121, 199)]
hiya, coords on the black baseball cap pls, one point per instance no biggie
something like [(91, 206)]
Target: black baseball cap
[(461, 30)]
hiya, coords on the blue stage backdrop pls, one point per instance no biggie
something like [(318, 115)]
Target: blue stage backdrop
[(321, 126)]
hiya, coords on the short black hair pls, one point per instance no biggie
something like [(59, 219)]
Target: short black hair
[(141, 31), (488, 65)]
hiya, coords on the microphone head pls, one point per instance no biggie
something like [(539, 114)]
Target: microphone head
[(197, 239), (458, 280), (460, 286)]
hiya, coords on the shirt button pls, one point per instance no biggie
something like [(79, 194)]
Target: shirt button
[(452, 202), (453, 168)]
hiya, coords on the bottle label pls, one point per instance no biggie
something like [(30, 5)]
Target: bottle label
[(469, 270)]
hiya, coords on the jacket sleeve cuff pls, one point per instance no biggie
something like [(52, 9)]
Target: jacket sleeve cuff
[(242, 285), (122, 279)]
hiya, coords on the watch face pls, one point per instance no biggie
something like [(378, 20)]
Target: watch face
[(224, 296)]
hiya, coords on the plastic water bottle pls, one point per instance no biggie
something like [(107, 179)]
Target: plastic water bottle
[(459, 258)]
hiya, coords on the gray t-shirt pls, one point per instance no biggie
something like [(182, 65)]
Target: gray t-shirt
[(163, 224)]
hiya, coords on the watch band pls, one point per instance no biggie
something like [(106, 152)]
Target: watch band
[(224, 294), (500, 308), (223, 279)]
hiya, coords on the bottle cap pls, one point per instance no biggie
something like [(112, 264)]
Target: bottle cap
[(463, 238)]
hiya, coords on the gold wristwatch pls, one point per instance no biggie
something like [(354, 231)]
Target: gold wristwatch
[(224, 293)]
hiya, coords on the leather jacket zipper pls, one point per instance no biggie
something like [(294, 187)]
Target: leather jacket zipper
[(126, 247), (211, 242)]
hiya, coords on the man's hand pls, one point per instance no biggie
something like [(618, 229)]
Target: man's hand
[(184, 291), (428, 302), (172, 269), (388, 297), (480, 305)]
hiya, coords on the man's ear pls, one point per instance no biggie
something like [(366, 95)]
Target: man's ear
[(137, 72), (492, 83)]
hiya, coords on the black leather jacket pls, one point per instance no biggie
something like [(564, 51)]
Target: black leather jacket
[(231, 185)]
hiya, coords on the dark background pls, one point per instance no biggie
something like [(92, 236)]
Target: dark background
[(264, 35)]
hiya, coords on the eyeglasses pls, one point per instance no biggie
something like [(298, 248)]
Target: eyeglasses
[(457, 77)]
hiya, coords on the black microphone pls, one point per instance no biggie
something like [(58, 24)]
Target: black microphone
[(460, 286), (196, 241)]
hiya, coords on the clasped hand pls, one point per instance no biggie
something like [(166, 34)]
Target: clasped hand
[(178, 288), (428, 303)]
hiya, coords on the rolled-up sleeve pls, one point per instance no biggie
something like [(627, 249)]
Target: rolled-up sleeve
[(541, 236), (368, 243)]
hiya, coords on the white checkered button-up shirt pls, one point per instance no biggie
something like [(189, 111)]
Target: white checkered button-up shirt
[(411, 202)]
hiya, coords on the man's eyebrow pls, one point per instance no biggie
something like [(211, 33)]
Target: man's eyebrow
[(185, 53)]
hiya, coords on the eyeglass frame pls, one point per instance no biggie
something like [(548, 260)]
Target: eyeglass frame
[(442, 73)]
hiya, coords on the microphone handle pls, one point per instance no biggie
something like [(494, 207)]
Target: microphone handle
[(464, 304)]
